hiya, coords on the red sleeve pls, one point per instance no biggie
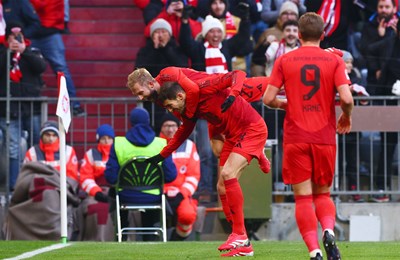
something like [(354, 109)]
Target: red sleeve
[(72, 166), (341, 76), (235, 80), (86, 176), (180, 136), (276, 78)]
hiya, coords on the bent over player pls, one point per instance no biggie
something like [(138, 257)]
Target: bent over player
[(311, 77)]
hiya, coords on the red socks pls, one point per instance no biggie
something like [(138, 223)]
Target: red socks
[(307, 221), (235, 200), (325, 210), (225, 208)]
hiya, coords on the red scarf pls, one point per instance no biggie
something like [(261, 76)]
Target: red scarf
[(215, 60), (230, 28), (330, 12), (15, 73)]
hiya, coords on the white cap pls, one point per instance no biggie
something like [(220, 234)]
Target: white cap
[(160, 24), (210, 23)]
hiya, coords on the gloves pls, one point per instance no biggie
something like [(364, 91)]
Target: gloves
[(243, 10), (227, 103), (155, 159), (188, 12), (101, 197)]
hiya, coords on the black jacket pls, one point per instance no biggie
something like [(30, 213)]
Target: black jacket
[(154, 60), (32, 65)]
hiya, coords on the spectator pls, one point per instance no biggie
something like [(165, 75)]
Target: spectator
[(380, 25), (270, 9), (140, 140), (49, 40), (27, 64), (173, 12), (2, 25), (180, 191), (350, 140), (66, 17), (339, 17), (388, 51), (230, 23), (161, 50), (214, 54), (288, 11), (48, 151), (289, 42), (95, 223)]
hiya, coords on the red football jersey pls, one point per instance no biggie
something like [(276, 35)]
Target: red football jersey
[(310, 76)]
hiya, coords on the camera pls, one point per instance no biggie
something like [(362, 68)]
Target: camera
[(19, 38)]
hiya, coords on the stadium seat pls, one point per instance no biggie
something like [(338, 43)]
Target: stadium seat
[(137, 175)]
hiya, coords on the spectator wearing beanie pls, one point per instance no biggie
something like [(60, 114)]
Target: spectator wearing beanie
[(93, 182), (288, 11), (180, 191), (140, 140), (173, 14), (272, 9), (214, 53), (48, 151)]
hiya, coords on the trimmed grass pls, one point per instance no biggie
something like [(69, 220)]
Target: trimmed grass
[(271, 250)]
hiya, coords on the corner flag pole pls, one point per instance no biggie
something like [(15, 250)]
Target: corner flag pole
[(64, 119)]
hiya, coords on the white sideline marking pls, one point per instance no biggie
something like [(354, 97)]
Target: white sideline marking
[(38, 251)]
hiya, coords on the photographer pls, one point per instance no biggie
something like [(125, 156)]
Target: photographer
[(27, 64), (173, 12)]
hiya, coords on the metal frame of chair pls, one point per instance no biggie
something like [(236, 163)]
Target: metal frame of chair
[(130, 177)]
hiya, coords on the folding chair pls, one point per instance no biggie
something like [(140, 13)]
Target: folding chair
[(145, 177)]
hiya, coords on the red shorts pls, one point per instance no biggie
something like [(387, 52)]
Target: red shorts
[(249, 142), (302, 161)]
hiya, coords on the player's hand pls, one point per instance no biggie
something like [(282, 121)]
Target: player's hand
[(101, 197), (155, 159), (344, 124), (227, 103)]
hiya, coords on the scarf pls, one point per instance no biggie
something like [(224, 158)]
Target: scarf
[(230, 28), (282, 48), (15, 73), (330, 13), (215, 61)]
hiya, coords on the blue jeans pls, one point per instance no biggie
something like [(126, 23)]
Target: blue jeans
[(32, 125), (14, 148), (206, 156), (53, 49)]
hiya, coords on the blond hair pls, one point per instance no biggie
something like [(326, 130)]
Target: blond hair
[(140, 76)]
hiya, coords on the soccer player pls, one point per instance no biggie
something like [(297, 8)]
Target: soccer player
[(216, 99), (311, 77), (145, 87)]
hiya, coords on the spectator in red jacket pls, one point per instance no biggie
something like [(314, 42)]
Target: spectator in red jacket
[(48, 151), (95, 223), (173, 12)]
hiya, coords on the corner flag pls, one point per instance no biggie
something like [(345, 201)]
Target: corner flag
[(63, 104)]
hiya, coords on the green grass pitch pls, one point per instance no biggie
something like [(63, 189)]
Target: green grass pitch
[(282, 250)]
